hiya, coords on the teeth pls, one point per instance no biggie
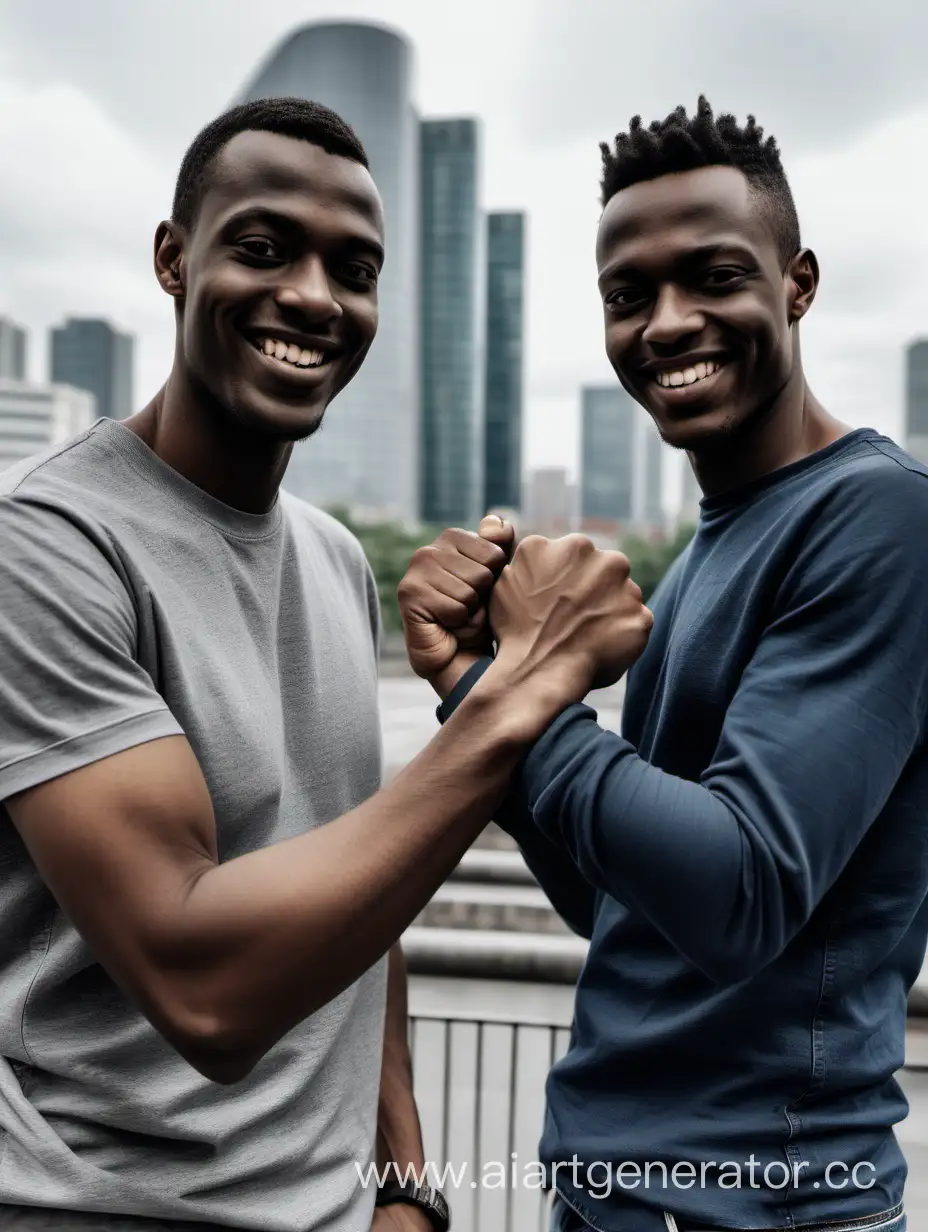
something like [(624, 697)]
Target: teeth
[(290, 353), (686, 376)]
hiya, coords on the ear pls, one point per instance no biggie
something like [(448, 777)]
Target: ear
[(802, 279), (169, 258)]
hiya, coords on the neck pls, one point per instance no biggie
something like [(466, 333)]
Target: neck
[(201, 441), (795, 426)]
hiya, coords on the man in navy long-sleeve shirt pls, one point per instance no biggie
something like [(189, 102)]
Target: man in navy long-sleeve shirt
[(750, 857)]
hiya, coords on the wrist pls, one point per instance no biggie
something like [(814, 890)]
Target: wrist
[(443, 682), (427, 1202), (518, 702)]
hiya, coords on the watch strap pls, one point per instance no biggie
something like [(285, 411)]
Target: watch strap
[(428, 1199)]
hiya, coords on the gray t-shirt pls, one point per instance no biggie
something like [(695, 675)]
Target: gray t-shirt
[(134, 606)]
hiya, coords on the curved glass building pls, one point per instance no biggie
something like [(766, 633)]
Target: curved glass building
[(366, 454)]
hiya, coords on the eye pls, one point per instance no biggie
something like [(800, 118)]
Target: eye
[(624, 298), (260, 247), (360, 271), (725, 277)]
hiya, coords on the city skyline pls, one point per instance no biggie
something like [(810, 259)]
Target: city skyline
[(83, 106), (89, 354)]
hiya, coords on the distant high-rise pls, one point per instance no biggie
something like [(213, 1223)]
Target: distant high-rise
[(916, 400), (621, 463), (550, 502), (91, 355), (451, 316), (35, 417), (12, 350), (366, 452), (504, 361)]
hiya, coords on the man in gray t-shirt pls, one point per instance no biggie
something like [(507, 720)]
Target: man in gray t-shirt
[(200, 881)]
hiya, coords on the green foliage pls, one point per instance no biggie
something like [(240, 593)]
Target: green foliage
[(650, 559), (389, 547)]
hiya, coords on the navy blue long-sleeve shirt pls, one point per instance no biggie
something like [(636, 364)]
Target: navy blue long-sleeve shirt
[(750, 861)]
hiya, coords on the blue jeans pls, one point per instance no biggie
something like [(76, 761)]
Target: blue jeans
[(565, 1219)]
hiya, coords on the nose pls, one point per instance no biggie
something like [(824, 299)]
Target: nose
[(674, 318), (307, 290)]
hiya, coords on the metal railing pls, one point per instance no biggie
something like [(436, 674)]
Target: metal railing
[(480, 1087)]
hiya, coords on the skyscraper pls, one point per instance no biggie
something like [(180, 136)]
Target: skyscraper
[(916, 400), (621, 463), (606, 456), (12, 351), (366, 452), (452, 315), (550, 504), (35, 417), (91, 355), (504, 360)]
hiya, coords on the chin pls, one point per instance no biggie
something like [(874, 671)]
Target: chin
[(280, 422), (712, 429)]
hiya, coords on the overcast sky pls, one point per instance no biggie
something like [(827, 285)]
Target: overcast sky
[(99, 98)]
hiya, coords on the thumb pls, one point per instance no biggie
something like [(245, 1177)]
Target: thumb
[(494, 529)]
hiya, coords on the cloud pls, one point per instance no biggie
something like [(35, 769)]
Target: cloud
[(814, 74), (78, 212)]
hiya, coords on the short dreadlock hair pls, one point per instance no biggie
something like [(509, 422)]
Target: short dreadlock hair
[(292, 117), (684, 143)]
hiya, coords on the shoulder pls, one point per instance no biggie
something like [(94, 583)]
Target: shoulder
[(864, 530), (877, 499)]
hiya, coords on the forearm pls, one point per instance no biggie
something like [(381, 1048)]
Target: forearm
[(399, 1134), (570, 893), (263, 941), (728, 869)]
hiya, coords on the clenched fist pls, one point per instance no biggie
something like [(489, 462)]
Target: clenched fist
[(565, 608), (444, 593)]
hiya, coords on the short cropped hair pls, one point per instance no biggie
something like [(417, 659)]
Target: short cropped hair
[(292, 117), (685, 143)]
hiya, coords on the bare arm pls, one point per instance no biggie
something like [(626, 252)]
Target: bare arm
[(225, 959), (399, 1134)]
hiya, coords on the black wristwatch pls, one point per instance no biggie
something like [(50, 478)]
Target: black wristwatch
[(430, 1200)]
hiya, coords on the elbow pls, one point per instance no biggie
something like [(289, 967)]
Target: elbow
[(204, 1039), (216, 1064), (735, 959)]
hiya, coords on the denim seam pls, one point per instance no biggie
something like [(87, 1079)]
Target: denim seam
[(818, 1068)]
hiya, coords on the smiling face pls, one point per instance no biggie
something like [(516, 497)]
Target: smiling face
[(279, 281), (698, 308)]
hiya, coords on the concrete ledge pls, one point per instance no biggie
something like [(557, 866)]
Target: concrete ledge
[(492, 866), (543, 959)]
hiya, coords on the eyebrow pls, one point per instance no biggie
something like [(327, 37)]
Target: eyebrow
[(285, 222), (694, 256)]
